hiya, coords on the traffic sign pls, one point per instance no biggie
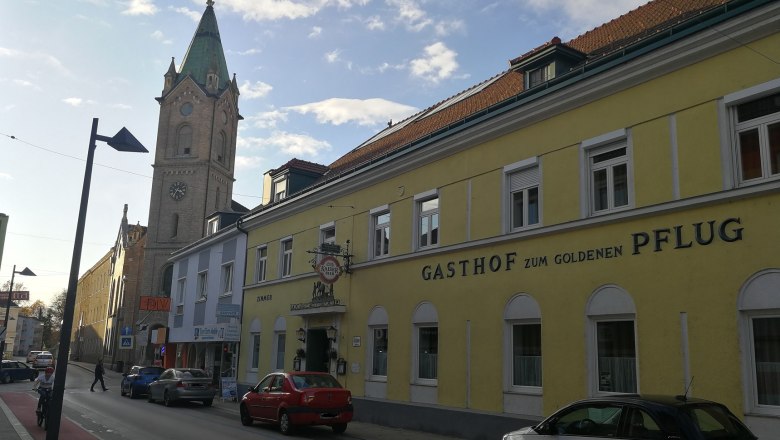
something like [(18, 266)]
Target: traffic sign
[(126, 342)]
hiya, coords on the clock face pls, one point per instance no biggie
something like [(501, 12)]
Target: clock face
[(186, 109), (177, 190)]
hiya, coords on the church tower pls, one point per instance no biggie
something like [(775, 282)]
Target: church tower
[(194, 159)]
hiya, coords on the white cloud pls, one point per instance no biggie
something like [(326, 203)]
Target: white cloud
[(316, 31), (75, 102), (25, 83), (159, 36), (246, 52), (293, 144), (257, 90), (8, 107), (6, 176), (259, 10), (582, 15), (375, 23), (50, 61), (409, 13), (121, 106), (187, 12), (267, 119), (332, 56), (439, 63), (447, 27), (367, 112), (140, 7), (247, 162)]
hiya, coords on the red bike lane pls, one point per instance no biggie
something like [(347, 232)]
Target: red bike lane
[(23, 407)]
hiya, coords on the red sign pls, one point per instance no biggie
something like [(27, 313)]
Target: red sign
[(18, 295), (329, 269), (155, 304)]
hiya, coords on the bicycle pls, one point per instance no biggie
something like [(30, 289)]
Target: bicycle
[(43, 413)]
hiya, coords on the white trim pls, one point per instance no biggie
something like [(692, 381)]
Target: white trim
[(525, 163), (379, 209), (328, 225), (430, 194), (604, 139), (752, 93)]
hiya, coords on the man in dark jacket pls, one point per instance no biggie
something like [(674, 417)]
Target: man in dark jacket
[(98, 376)]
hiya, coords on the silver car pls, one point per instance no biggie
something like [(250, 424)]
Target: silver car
[(182, 384)]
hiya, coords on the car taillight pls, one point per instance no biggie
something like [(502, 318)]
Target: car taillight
[(349, 399)]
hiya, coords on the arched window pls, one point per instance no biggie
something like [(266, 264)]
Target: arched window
[(254, 340), (184, 141), (174, 225), (612, 341), (280, 342), (523, 320), (426, 344), (167, 279), (378, 337), (221, 147), (759, 310)]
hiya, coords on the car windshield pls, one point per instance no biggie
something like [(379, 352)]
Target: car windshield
[(192, 373), (302, 381), (151, 371), (715, 422)]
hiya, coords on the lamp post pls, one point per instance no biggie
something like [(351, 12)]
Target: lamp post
[(28, 273), (122, 141)]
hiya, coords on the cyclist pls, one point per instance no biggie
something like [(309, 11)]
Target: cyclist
[(43, 384)]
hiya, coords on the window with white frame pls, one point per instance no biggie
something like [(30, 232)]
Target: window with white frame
[(757, 138), (180, 284), (425, 345), (281, 340), (527, 354), (616, 367), (279, 188), (427, 208), (286, 257), (522, 181), (608, 177), (227, 278), (379, 351), (612, 354), (255, 361), (203, 292), (261, 263), (427, 352), (212, 226), (540, 75), (759, 308), (327, 238), (380, 226)]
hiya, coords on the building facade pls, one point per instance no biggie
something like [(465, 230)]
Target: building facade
[(193, 165), (586, 223), (89, 334), (29, 335)]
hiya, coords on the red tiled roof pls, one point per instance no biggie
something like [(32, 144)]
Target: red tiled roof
[(642, 22), (303, 165)]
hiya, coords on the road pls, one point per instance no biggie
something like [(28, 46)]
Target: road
[(109, 416)]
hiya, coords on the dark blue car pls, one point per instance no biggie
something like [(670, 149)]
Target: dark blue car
[(15, 370), (137, 381)]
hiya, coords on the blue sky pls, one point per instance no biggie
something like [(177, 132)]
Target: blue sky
[(317, 78)]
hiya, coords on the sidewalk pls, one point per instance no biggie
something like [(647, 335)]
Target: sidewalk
[(11, 428)]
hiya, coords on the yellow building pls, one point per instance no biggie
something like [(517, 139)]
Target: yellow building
[(89, 338), (600, 218)]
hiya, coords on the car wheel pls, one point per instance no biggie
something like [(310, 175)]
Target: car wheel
[(246, 420), (149, 398), (167, 399), (6, 378), (208, 402), (122, 390), (285, 426), (339, 428), (132, 392)]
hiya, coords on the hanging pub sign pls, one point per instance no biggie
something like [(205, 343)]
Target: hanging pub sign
[(329, 269)]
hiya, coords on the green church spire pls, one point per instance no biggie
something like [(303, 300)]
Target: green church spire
[(205, 59)]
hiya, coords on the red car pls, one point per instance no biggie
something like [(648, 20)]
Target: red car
[(298, 398)]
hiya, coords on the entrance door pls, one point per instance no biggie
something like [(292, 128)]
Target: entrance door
[(317, 350)]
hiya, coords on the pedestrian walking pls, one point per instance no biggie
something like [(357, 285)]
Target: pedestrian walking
[(98, 376)]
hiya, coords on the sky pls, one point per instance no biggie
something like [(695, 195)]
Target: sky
[(316, 77)]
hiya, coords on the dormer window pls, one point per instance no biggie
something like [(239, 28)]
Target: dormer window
[(212, 80), (279, 189), (212, 227), (539, 75)]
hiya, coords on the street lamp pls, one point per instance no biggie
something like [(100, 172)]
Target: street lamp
[(122, 141), (28, 273)]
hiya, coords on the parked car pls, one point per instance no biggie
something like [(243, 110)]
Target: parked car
[(137, 381), (31, 355), (43, 360), (298, 398), (15, 370), (639, 417), (182, 384)]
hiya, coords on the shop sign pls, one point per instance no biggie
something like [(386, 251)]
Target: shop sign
[(217, 332), (671, 238), (329, 269), (16, 295), (321, 296), (231, 310), (155, 304)]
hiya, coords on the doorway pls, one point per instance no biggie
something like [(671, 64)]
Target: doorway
[(317, 350)]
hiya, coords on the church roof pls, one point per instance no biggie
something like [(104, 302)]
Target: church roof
[(205, 53)]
